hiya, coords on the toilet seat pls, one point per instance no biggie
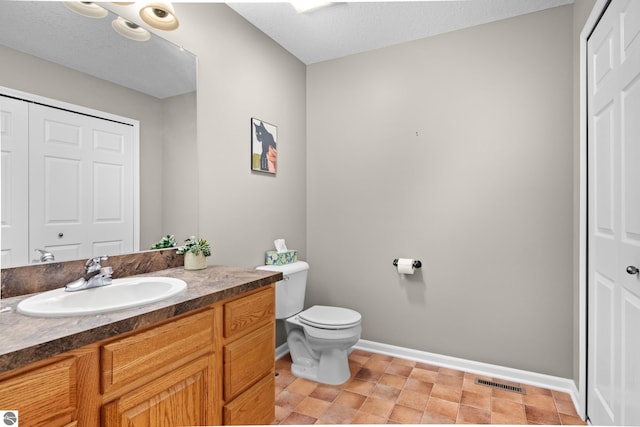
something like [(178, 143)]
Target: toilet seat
[(326, 317)]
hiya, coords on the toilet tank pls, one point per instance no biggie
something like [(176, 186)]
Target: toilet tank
[(290, 290)]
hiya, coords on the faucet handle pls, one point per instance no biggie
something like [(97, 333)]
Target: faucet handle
[(93, 264), (45, 255)]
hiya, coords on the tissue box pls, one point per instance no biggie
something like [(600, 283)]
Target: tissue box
[(275, 258)]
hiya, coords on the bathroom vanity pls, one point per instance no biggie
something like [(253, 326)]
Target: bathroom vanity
[(203, 357)]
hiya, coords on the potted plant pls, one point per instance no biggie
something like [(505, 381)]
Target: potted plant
[(195, 252), (167, 241)]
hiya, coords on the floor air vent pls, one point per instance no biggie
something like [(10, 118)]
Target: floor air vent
[(500, 386)]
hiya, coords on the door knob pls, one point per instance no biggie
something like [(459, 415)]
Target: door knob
[(632, 269)]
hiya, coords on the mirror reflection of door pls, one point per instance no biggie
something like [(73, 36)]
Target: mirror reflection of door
[(14, 134), (80, 186)]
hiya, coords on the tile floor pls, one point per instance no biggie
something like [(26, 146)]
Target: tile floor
[(387, 390)]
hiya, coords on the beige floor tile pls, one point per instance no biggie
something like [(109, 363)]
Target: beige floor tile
[(387, 390), (302, 386), (471, 415), (443, 407), (312, 407), (403, 415), (413, 399), (379, 407), (358, 386), (395, 381), (350, 400)]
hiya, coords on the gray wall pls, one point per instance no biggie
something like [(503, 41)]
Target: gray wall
[(179, 167), (242, 74), (455, 150)]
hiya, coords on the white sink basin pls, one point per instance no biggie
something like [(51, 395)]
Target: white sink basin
[(121, 293)]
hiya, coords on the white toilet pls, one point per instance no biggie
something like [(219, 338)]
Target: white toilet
[(319, 338)]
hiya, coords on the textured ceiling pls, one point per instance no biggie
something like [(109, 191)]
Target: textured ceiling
[(347, 28), (50, 31)]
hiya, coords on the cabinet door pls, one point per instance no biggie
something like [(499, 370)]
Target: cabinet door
[(45, 396), (183, 397)]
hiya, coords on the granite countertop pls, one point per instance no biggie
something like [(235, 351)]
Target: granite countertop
[(27, 339)]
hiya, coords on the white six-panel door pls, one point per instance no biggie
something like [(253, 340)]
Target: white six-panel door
[(68, 182), (80, 184), (613, 377), (14, 182)]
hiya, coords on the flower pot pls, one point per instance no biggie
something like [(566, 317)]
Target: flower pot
[(194, 262)]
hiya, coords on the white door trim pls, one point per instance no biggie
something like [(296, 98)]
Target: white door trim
[(592, 21), (101, 114)]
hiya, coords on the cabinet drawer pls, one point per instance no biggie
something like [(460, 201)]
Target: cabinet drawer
[(43, 396), (157, 351), (248, 359), (246, 313), (255, 406)]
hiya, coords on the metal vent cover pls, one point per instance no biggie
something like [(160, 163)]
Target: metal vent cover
[(500, 386)]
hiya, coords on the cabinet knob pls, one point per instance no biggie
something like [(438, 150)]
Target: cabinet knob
[(60, 235), (633, 270)]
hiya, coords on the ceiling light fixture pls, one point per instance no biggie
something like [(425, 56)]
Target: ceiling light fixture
[(306, 6), (88, 9), (159, 15), (130, 30)]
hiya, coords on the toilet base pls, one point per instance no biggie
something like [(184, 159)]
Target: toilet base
[(334, 371), (327, 366)]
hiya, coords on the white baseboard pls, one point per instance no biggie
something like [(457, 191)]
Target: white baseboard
[(282, 350), (509, 374)]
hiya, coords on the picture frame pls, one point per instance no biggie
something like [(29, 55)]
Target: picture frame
[(264, 153)]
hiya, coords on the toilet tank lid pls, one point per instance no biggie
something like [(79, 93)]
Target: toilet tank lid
[(294, 267)]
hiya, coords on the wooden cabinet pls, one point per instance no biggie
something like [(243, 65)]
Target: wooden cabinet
[(214, 366), (253, 407), (56, 401), (53, 392), (182, 397), (246, 360), (163, 376), (249, 355), (136, 359)]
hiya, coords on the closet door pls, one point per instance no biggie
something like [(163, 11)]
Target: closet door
[(14, 181), (613, 389), (80, 184)]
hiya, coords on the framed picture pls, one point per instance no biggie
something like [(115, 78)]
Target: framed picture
[(264, 152)]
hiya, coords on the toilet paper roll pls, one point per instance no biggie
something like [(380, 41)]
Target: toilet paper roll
[(405, 266)]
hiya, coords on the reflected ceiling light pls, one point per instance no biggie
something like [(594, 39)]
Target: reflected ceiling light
[(88, 9), (160, 15), (130, 30), (305, 6)]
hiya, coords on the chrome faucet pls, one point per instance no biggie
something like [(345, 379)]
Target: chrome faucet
[(45, 256), (94, 276)]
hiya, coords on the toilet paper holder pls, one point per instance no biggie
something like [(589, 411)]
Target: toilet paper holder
[(416, 263)]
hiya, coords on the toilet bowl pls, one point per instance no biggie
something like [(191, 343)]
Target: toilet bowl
[(321, 337)]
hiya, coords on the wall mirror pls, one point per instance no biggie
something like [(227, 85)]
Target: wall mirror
[(155, 69)]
